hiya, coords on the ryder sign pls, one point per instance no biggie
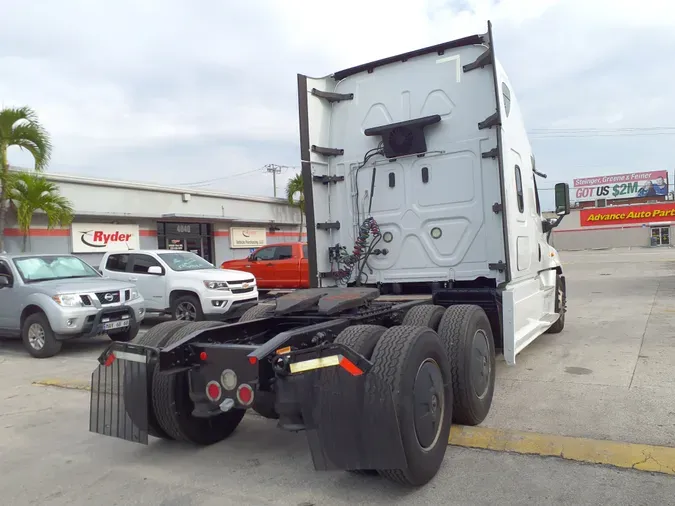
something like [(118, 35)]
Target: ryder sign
[(102, 237)]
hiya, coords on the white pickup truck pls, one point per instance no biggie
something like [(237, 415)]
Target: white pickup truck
[(183, 284)]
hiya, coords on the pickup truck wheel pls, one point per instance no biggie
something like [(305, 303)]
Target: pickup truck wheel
[(560, 305), (38, 336), (187, 308), (424, 315), (255, 312), (173, 406), (466, 333), (413, 364), (138, 405), (124, 336)]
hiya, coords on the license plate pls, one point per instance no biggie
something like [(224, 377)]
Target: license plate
[(116, 325)]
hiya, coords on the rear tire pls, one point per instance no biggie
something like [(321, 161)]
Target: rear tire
[(133, 402), (466, 333), (255, 312), (173, 406), (424, 315), (561, 306), (38, 336), (413, 363)]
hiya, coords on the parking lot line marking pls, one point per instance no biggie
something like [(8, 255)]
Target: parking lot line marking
[(69, 385), (658, 459)]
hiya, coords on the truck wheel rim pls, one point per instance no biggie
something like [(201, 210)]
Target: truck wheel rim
[(429, 407), (36, 336), (481, 365), (186, 311)]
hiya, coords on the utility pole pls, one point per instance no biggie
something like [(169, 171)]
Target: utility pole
[(274, 169)]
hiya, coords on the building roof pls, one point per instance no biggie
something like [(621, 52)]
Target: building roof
[(136, 185)]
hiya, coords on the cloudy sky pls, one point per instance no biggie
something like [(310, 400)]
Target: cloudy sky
[(173, 91)]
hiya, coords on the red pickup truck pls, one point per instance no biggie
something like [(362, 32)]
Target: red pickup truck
[(277, 266)]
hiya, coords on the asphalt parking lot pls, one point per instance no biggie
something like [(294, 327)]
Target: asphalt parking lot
[(601, 391)]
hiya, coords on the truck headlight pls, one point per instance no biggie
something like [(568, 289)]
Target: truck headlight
[(133, 294), (68, 300), (216, 285)]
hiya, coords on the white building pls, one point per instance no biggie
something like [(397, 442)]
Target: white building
[(119, 215)]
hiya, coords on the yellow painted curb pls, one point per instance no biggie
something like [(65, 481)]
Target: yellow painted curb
[(70, 385), (658, 459)]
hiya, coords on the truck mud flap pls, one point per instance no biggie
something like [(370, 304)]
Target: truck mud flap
[(119, 393), (350, 421)]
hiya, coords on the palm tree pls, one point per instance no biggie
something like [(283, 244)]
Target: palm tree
[(295, 194), (19, 126), (31, 192)]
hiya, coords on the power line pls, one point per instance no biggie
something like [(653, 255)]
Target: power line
[(207, 181), (551, 133)]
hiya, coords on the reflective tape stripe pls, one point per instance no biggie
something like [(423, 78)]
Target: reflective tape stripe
[(316, 363), (131, 357)]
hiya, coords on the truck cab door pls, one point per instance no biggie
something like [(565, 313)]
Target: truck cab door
[(151, 286), (285, 266), (10, 310), (260, 266)]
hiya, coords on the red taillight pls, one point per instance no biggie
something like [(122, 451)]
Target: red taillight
[(213, 391), (203, 356), (109, 360), (245, 394), (252, 360)]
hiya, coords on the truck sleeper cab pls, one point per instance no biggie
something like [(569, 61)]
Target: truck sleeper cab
[(427, 180)]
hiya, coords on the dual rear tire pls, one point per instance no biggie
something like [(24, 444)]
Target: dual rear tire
[(440, 368), (169, 407)]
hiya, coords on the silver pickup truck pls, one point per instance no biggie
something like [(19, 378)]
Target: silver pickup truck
[(46, 299)]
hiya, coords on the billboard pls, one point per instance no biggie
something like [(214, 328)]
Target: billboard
[(627, 215), (621, 186)]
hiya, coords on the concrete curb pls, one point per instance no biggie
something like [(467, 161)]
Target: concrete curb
[(657, 459)]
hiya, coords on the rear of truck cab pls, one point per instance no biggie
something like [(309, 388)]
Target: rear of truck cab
[(432, 148)]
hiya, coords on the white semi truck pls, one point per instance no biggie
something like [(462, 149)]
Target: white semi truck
[(418, 178)]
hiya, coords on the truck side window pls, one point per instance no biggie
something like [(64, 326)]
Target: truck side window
[(506, 95), (519, 190), (6, 271), (117, 263), (283, 253), (143, 262), (265, 254)]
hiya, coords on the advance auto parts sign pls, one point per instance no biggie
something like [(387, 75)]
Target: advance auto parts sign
[(621, 186), (623, 215), (247, 237), (102, 237)]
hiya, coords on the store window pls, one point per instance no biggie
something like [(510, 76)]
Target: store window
[(194, 237), (660, 236)]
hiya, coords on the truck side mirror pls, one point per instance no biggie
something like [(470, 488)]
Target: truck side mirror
[(562, 199), (4, 281), (155, 269)]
